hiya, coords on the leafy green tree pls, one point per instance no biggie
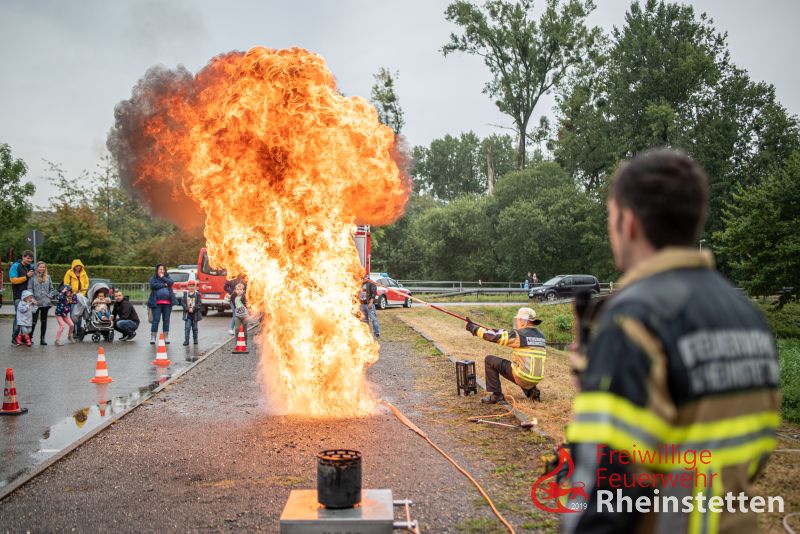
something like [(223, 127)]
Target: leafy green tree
[(761, 237), (455, 166), (15, 196), (526, 56), (666, 79), (395, 248), (384, 97), (76, 232)]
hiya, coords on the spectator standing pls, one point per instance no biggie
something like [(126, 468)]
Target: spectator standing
[(18, 274), (529, 281), (230, 288), (77, 277), (124, 316), (25, 310), (192, 304), (161, 300), (43, 291), (535, 279), (64, 302), (240, 311), (366, 297)]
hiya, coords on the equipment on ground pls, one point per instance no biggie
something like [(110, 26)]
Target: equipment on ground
[(465, 377), (340, 505)]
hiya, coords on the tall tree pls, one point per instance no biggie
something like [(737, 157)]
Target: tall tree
[(384, 97), (526, 56), (455, 166), (15, 195), (766, 214), (666, 79)]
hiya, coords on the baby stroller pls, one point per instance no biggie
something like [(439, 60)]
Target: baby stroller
[(87, 322)]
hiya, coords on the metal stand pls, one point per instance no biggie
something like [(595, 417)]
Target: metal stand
[(465, 377)]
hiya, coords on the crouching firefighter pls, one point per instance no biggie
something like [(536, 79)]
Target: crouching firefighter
[(529, 352)]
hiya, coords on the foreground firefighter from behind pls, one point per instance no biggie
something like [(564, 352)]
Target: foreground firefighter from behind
[(529, 350), (679, 360)]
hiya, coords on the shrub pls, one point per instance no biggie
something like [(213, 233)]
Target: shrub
[(564, 323), (789, 351)]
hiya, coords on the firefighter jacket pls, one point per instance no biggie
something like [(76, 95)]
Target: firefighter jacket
[(679, 360), (529, 350)]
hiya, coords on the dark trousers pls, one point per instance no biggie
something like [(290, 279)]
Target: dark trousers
[(161, 311), (40, 315), (190, 325), (494, 367)]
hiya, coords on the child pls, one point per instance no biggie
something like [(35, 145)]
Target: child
[(64, 303), (25, 310), (191, 302), (100, 306), (240, 311)]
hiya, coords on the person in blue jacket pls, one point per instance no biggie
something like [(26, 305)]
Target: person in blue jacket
[(161, 300)]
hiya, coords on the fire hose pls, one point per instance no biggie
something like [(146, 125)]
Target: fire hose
[(406, 421), (434, 306)]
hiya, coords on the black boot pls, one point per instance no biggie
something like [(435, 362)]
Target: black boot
[(494, 398), (185, 341), (534, 394)]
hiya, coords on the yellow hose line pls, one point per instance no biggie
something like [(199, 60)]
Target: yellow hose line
[(403, 419)]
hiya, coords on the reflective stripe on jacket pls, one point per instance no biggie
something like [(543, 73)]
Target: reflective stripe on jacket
[(679, 359), (529, 352)]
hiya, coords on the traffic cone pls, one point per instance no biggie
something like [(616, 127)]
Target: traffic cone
[(100, 369), (241, 344), (10, 404), (161, 353)]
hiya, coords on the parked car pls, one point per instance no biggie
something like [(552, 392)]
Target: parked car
[(181, 278), (565, 286), (390, 292)]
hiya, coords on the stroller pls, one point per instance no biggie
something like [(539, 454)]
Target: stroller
[(86, 321)]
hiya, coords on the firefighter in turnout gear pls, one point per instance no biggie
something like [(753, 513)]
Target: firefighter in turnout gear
[(529, 351), (678, 359)]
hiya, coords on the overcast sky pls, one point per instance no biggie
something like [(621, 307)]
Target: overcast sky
[(65, 65)]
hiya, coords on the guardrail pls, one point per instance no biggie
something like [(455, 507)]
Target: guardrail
[(445, 287)]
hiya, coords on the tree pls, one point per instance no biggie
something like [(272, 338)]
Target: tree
[(526, 57), (666, 79), (761, 237), (454, 166), (15, 196), (385, 99)]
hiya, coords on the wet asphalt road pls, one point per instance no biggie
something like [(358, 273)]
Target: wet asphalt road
[(53, 383), (205, 455)]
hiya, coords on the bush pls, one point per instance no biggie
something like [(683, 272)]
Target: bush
[(564, 323), (785, 321), (789, 351)]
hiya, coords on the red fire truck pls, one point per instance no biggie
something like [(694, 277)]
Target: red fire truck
[(211, 281)]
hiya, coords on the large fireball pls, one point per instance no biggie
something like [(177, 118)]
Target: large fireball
[(281, 167)]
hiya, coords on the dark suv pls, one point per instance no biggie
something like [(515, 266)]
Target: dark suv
[(565, 286)]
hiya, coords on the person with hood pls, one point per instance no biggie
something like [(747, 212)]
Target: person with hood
[(25, 310), (77, 277), (161, 300), (43, 291)]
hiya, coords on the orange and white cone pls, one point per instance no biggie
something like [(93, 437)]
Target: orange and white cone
[(241, 344), (100, 369), (10, 404), (161, 353)]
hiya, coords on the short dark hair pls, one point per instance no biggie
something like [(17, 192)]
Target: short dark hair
[(27, 254), (668, 191)]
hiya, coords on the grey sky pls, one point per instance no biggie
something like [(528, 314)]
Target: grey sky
[(66, 64)]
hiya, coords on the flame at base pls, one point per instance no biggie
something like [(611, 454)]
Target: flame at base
[(283, 167)]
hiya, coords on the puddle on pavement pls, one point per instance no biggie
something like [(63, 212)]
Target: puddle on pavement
[(68, 430)]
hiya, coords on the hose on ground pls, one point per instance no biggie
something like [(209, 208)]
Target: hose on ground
[(406, 421)]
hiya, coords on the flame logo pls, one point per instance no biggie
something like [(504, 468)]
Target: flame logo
[(550, 489), (262, 151)]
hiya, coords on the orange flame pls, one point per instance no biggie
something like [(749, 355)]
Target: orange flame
[(283, 167)]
